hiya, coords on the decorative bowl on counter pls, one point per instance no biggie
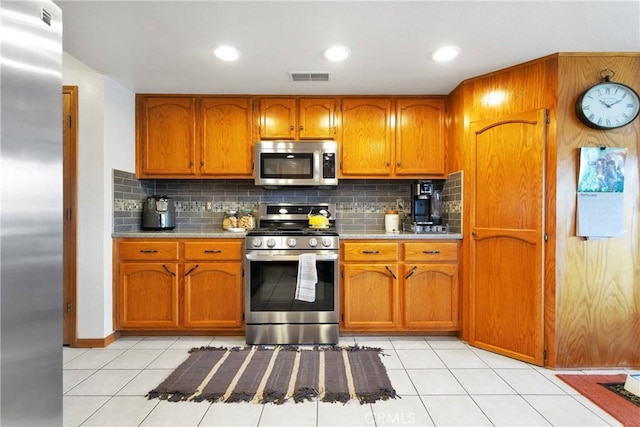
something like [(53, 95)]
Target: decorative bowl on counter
[(236, 229)]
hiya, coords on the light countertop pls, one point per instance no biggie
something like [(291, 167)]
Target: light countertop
[(403, 235), (345, 235)]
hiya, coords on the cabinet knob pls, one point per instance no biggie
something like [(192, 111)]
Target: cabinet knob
[(301, 127), (388, 163), (201, 163), (291, 128), (398, 164)]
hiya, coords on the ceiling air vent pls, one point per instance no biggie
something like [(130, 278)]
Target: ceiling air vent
[(310, 76)]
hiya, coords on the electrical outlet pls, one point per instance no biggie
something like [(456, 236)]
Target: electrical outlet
[(400, 204), (209, 206)]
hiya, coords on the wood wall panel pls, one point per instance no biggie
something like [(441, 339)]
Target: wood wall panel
[(592, 287), (598, 281), (525, 87), (458, 159)]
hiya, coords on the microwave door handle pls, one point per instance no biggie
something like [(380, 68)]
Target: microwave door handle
[(269, 257)]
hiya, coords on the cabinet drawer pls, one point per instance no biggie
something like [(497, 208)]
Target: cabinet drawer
[(148, 250), (431, 251), (213, 250), (370, 251)]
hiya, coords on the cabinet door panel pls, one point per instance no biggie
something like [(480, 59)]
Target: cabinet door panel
[(431, 296), (278, 118), (316, 118), (167, 136), (420, 137), (149, 295), (370, 296), (227, 147), (366, 137), (213, 295)]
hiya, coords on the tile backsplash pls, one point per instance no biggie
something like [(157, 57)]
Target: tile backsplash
[(360, 203)]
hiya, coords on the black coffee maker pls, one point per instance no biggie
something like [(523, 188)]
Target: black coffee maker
[(425, 204)]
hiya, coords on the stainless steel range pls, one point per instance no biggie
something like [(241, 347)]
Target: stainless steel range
[(291, 277)]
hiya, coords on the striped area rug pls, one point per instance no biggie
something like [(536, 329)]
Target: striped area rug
[(274, 375)]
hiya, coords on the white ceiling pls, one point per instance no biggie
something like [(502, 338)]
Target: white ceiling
[(166, 46)]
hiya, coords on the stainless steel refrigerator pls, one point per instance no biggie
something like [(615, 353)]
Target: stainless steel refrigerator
[(30, 213)]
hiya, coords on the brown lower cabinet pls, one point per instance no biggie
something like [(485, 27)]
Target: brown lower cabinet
[(196, 285), (178, 284), (399, 286)]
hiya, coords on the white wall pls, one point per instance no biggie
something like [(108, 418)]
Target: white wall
[(106, 140), (118, 153)]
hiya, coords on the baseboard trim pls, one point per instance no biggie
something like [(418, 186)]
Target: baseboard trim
[(96, 342)]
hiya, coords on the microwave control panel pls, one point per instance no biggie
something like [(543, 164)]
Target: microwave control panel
[(328, 165)]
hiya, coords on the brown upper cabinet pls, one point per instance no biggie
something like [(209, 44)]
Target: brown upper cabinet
[(203, 136), (226, 143), (366, 143), (166, 136), (194, 137), (420, 137), (393, 138), (297, 118)]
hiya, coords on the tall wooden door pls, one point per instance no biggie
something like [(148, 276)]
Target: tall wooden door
[(508, 236), (69, 173)]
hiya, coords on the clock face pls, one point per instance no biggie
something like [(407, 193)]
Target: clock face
[(608, 105)]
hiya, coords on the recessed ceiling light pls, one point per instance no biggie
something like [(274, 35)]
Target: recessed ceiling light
[(446, 53), (227, 53), (337, 53)]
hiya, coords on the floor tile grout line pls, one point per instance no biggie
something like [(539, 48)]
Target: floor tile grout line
[(95, 371), (101, 366), (574, 397), (96, 410)]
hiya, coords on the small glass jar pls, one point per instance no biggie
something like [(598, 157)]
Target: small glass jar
[(247, 220), (230, 220)]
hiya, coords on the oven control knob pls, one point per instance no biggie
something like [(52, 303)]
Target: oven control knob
[(291, 242), (326, 243), (257, 243), (313, 242), (271, 242)]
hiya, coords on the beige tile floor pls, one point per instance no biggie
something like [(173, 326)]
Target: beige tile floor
[(441, 380)]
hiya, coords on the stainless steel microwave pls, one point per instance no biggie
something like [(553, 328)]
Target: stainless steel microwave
[(296, 163)]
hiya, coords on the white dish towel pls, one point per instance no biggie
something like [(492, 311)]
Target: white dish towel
[(307, 278)]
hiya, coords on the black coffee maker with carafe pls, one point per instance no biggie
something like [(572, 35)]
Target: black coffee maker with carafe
[(425, 203)]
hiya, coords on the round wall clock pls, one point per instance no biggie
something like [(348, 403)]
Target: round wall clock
[(608, 105)]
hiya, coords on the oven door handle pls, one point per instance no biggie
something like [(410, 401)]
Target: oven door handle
[(267, 257)]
